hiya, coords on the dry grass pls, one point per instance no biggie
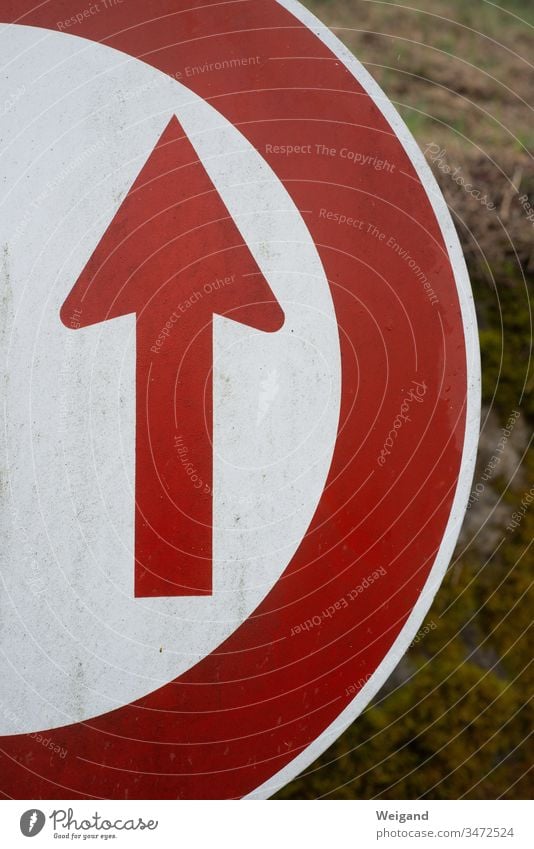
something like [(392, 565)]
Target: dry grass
[(459, 75)]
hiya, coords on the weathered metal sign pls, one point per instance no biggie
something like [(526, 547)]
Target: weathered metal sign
[(240, 395)]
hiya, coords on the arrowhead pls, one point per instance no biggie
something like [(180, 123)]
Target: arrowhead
[(172, 236)]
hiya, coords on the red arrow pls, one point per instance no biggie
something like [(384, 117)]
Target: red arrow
[(173, 256)]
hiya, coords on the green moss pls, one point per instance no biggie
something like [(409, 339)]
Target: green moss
[(506, 353)]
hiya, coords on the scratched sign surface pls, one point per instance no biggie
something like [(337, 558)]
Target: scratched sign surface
[(240, 396)]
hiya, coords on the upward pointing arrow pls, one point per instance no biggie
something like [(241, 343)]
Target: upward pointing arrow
[(173, 256)]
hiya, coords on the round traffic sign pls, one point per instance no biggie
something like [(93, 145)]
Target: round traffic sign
[(241, 396)]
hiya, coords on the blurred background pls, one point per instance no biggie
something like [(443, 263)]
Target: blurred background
[(455, 719)]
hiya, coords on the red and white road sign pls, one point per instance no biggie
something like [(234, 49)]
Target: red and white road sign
[(241, 395)]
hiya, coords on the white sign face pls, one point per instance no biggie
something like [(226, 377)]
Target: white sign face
[(73, 142)]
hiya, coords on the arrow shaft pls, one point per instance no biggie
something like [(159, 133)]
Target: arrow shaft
[(173, 471)]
